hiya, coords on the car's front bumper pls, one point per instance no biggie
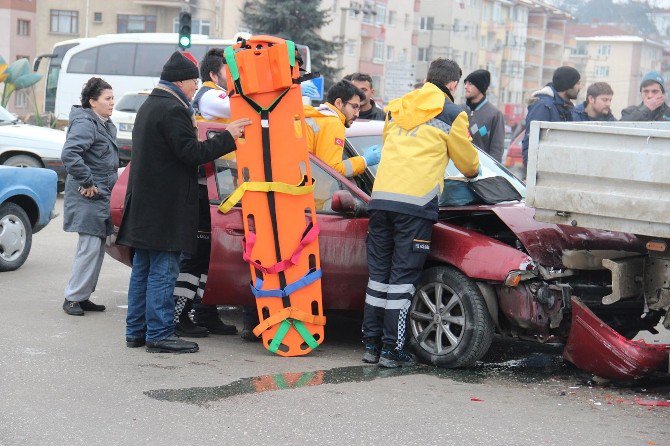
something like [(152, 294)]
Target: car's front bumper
[(125, 150)]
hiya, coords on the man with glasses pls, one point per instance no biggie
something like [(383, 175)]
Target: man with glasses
[(326, 125)]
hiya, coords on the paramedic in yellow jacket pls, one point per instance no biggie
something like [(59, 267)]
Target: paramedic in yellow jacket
[(326, 126), (424, 131)]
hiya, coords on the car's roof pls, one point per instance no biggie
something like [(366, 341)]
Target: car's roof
[(140, 92), (365, 127)]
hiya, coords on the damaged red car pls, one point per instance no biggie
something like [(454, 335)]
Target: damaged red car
[(492, 267)]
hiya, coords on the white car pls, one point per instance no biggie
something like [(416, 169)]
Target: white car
[(25, 145), (123, 116)]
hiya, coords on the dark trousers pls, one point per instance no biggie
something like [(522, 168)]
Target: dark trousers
[(193, 269), (397, 247)]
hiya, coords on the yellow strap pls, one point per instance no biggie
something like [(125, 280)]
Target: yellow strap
[(286, 313), (259, 186)]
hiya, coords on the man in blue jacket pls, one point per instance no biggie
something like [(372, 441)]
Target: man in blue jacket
[(598, 104), (553, 103)]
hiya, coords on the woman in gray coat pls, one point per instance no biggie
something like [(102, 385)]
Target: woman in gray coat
[(91, 158)]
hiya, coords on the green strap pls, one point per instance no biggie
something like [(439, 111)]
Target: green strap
[(232, 63), (279, 335), (285, 327), (306, 335), (291, 52)]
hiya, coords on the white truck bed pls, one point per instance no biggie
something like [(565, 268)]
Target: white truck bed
[(606, 175)]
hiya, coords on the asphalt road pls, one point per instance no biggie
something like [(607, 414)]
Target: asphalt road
[(71, 380)]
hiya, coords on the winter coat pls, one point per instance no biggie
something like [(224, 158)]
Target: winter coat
[(545, 105), (161, 204), (91, 158), (579, 114), (375, 113), (642, 113), (325, 139), (425, 130), (487, 127)]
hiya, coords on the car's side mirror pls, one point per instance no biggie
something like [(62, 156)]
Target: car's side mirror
[(343, 202)]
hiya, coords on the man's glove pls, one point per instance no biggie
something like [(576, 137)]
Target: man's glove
[(372, 155), (309, 89)]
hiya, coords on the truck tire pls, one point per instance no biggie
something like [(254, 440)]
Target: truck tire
[(450, 325), (16, 236)]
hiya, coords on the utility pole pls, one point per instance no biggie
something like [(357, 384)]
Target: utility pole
[(356, 8)]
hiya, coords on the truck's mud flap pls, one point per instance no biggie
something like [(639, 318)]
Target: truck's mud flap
[(596, 348)]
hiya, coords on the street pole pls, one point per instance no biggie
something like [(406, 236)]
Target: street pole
[(343, 24)]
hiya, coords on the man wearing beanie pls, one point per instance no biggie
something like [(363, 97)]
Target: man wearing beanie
[(552, 103), (161, 206), (487, 124), (653, 106)]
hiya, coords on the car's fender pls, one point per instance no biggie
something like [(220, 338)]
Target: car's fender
[(36, 185)]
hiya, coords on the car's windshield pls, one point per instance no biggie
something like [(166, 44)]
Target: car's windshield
[(490, 167), (6, 116), (131, 102)]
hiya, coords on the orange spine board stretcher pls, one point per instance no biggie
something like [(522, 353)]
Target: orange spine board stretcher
[(263, 69)]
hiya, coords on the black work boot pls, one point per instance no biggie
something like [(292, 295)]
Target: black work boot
[(72, 308), (249, 322), (392, 358), (172, 345), (373, 349), (208, 316), (185, 328), (87, 305)]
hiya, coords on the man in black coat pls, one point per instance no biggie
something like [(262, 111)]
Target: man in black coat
[(161, 206)]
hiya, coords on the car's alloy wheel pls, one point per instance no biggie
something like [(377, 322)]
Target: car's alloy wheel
[(449, 322), (15, 236)]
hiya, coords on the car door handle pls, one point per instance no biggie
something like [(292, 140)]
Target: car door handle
[(235, 230)]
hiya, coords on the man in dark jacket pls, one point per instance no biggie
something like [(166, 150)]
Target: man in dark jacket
[(653, 106), (487, 124), (598, 104), (553, 103), (369, 109), (161, 206)]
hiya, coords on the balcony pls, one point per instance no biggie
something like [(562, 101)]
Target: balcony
[(533, 59), (551, 63), (535, 33), (529, 85), (554, 38)]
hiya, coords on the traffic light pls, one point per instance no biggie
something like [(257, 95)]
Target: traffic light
[(185, 30)]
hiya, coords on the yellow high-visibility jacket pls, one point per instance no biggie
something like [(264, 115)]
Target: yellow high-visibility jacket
[(325, 139), (221, 105), (424, 131)]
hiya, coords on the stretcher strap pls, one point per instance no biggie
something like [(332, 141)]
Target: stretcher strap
[(288, 313), (283, 329), (265, 186), (310, 277), (310, 234)]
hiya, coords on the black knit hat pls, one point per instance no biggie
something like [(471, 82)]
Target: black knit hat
[(179, 68), (565, 78), (480, 79)]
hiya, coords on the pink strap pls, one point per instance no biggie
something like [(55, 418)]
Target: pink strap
[(249, 242)]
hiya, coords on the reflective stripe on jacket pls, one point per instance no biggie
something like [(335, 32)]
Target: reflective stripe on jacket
[(325, 139), (425, 130)]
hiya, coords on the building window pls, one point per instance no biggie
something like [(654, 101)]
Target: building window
[(403, 55), (350, 48), (367, 16), (97, 17), (580, 50), (426, 23), (378, 50), (66, 22), (423, 55), (21, 99), (390, 53), (602, 71), (126, 23), (604, 50), (197, 26), (381, 14), (23, 27), (406, 21), (392, 18)]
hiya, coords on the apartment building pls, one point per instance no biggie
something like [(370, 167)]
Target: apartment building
[(449, 29), (17, 41), (376, 38)]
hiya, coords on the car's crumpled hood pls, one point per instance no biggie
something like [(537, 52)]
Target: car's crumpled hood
[(545, 242), (37, 139)]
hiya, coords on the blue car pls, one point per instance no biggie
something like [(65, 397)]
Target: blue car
[(27, 204)]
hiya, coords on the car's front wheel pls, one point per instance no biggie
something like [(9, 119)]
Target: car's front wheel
[(450, 325), (16, 236)]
